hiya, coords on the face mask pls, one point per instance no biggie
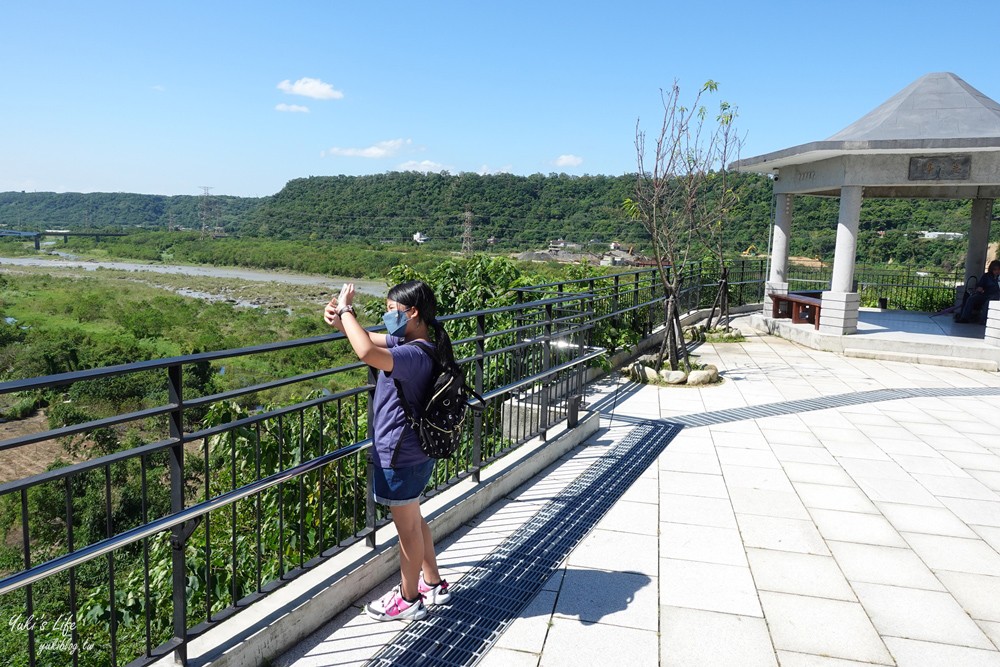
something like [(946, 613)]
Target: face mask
[(395, 322)]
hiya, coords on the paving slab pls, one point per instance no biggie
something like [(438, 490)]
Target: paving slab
[(919, 614), (697, 510), (736, 640), (571, 643), (799, 574), (708, 586), (767, 503), (912, 653), (978, 594), (956, 554), (925, 520), (781, 534), (614, 598), (705, 544), (856, 527), (820, 626), (869, 563)]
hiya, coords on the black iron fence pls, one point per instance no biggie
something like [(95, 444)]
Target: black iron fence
[(895, 289), (193, 507), (699, 281)]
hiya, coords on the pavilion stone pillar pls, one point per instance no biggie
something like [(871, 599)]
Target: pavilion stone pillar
[(992, 334), (778, 279), (979, 235), (840, 303)]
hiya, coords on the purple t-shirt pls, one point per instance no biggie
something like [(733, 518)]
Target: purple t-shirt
[(396, 445)]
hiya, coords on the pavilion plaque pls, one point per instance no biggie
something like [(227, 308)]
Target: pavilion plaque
[(941, 168)]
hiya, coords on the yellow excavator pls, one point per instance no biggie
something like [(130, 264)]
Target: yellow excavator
[(749, 252)]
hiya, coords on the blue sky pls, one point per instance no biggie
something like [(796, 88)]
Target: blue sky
[(167, 97)]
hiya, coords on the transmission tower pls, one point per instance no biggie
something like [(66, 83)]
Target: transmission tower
[(467, 232), (205, 210)]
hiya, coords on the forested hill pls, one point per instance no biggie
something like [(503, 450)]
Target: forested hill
[(506, 212), (515, 211), (35, 211)]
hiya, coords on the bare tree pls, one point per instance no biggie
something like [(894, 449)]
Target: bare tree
[(713, 212), (690, 155)]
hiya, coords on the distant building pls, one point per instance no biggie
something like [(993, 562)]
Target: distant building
[(618, 258), (947, 236), (560, 245)]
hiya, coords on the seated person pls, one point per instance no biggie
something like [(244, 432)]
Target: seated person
[(987, 289)]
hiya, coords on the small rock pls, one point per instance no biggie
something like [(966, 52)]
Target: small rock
[(673, 377), (714, 370), (699, 377)]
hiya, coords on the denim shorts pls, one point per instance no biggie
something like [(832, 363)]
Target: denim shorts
[(402, 486)]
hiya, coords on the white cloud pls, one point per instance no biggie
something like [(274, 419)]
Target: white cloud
[(568, 161), (158, 88), (486, 170), (382, 149), (292, 108), (425, 166), (314, 88)]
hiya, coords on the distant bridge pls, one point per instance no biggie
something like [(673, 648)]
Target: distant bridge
[(37, 236)]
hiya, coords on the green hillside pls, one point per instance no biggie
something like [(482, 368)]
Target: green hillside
[(506, 213)]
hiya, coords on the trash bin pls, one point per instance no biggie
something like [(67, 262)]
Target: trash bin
[(883, 302)]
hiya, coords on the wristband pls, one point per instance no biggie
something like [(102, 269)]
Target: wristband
[(345, 309)]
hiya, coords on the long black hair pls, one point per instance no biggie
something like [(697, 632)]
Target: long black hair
[(417, 294)]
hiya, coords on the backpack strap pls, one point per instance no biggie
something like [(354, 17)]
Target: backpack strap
[(405, 404), (479, 406)]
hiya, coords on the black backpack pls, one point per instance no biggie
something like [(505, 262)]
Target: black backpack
[(439, 427)]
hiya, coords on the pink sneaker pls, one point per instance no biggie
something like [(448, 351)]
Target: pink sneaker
[(393, 607), (434, 594)]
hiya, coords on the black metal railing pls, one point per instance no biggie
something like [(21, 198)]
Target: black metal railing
[(896, 289), (197, 506)]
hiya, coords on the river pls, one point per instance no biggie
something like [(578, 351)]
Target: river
[(373, 287)]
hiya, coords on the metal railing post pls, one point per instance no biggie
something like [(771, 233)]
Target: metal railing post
[(576, 397), (616, 301), (370, 518), (637, 326), (543, 406), (178, 537), (477, 422)]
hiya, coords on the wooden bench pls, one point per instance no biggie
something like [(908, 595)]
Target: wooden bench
[(799, 307)]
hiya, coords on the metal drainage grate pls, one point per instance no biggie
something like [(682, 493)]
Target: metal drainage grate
[(492, 595)]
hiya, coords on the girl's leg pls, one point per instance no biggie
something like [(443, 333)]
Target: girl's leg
[(429, 565), (410, 526)]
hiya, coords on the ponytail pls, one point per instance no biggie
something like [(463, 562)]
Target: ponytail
[(442, 344)]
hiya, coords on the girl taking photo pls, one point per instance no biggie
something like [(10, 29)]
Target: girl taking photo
[(402, 470)]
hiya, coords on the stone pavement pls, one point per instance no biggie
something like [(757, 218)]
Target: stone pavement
[(815, 510)]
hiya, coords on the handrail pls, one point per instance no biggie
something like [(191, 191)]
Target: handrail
[(97, 549)]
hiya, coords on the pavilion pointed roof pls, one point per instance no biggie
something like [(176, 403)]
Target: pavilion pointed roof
[(937, 113), (935, 106)]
